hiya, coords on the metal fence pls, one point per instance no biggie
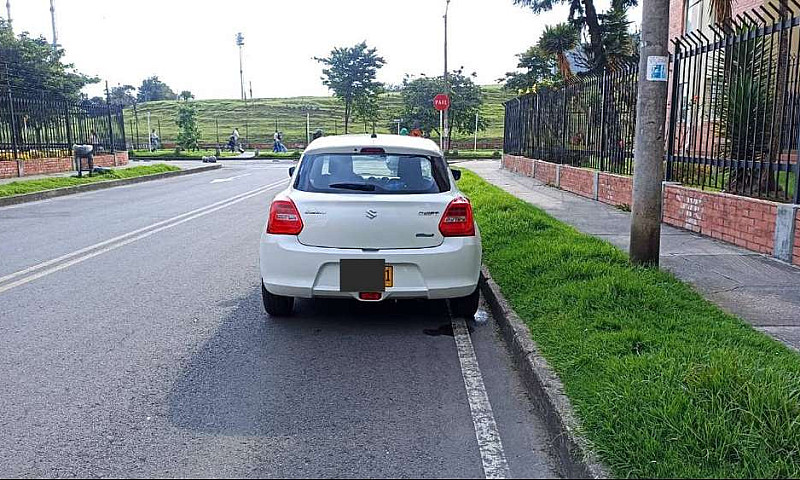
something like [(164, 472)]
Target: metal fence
[(733, 123), (35, 126), (589, 122), (734, 119)]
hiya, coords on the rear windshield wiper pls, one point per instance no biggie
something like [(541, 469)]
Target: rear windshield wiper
[(364, 187)]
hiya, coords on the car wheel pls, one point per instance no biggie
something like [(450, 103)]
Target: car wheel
[(465, 306), (276, 305)]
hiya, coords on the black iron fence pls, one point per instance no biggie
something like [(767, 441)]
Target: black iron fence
[(35, 126), (734, 119), (733, 124), (589, 122)]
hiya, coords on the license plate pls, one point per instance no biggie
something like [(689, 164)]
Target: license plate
[(364, 275), (388, 276)]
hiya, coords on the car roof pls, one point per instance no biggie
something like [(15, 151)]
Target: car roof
[(390, 143)]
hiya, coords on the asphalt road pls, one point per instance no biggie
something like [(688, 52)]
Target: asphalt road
[(148, 353)]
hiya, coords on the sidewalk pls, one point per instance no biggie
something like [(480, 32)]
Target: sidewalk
[(759, 289)]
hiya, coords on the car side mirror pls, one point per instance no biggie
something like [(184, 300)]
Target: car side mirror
[(456, 174), (291, 171)]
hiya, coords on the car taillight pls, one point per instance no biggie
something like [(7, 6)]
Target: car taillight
[(457, 220), (284, 219)]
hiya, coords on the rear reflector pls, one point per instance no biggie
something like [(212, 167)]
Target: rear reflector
[(372, 150), (457, 220), (369, 295), (284, 219)]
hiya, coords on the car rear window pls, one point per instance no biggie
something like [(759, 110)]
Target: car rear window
[(372, 174)]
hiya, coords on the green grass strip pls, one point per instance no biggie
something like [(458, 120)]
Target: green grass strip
[(665, 383), (30, 186)]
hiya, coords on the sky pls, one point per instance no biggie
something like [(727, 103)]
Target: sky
[(190, 44)]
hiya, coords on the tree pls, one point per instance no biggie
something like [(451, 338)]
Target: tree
[(466, 99), (350, 74), (186, 95), (123, 95), (538, 67), (366, 109), (582, 13), (153, 89), (557, 41), (188, 131), (34, 66)]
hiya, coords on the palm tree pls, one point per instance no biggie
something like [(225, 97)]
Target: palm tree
[(586, 15), (557, 41)]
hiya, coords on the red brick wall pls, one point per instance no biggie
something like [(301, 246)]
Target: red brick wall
[(615, 189), (518, 164), (8, 169), (742, 221), (796, 252), (39, 166), (577, 180), (546, 172), (747, 222)]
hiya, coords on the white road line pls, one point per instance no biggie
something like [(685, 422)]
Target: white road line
[(125, 239), (229, 179), (486, 432)]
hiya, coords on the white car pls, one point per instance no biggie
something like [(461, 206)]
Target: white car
[(371, 217)]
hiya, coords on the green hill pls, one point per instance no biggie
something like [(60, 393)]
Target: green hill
[(258, 120)]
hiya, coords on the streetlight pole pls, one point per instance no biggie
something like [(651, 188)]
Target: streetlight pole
[(53, 19), (240, 44), (651, 108), (446, 140), (8, 12)]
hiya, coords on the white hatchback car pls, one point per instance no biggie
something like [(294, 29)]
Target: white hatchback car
[(371, 217)]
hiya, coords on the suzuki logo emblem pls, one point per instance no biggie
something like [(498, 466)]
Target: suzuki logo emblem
[(371, 214)]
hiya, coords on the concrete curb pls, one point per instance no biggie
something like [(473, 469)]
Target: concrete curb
[(60, 192), (574, 455)]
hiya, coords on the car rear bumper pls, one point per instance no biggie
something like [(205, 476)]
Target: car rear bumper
[(449, 270)]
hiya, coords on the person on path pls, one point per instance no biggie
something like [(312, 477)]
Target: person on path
[(404, 131), (154, 140)]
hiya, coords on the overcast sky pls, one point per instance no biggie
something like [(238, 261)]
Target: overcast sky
[(190, 44)]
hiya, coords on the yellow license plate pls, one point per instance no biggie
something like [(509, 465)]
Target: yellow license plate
[(388, 276)]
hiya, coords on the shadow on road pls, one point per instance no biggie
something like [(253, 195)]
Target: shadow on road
[(334, 366)]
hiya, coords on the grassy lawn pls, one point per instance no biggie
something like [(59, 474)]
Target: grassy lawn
[(665, 383), (290, 115), (30, 186)]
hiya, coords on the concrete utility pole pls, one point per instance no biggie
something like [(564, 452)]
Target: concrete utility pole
[(445, 140), (651, 108), (8, 12), (240, 44), (53, 19)]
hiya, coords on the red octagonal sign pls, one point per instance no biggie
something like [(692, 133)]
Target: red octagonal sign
[(441, 102)]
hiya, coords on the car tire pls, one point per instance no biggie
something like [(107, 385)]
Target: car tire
[(465, 307), (276, 305)]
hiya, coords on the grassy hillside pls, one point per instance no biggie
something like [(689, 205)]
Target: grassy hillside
[(261, 114)]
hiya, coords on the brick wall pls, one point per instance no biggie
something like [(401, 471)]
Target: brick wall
[(615, 189), (546, 172), (796, 251), (518, 164), (8, 169), (40, 166), (577, 180), (747, 222), (742, 221)]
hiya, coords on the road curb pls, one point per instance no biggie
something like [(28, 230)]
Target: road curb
[(573, 453), (60, 192)]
